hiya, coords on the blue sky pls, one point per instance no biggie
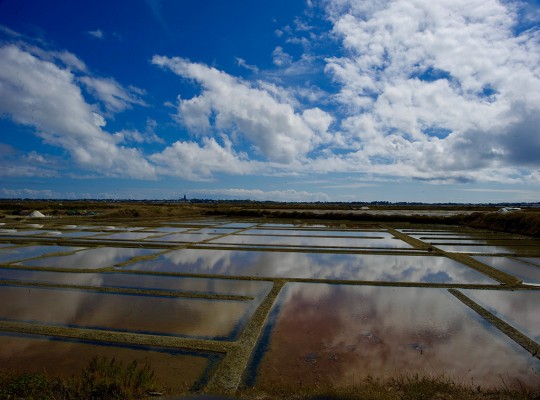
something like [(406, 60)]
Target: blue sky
[(317, 100)]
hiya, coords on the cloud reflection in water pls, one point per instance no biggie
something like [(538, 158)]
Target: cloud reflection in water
[(341, 334), (368, 267)]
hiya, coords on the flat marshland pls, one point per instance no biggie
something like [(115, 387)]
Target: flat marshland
[(127, 300)]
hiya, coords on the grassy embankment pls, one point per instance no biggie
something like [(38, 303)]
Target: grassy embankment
[(107, 380), (520, 223)]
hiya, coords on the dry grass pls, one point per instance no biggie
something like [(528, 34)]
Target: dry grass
[(102, 379), (407, 387), (105, 379)]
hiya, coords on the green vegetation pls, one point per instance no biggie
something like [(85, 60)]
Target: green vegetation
[(102, 379)]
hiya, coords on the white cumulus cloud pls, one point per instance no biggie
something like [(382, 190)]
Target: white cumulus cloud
[(39, 93), (443, 87), (276, 131)]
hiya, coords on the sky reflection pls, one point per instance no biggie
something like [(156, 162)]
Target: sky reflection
[(341, 334), (138, 281), (518, 308), (385, 268), (388, 242), (122, 312), (20, 253), (95, 258), (65, 358), (527, 273)]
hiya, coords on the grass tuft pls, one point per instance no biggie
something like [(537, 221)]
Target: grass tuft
[(102, 379), (108, 379)]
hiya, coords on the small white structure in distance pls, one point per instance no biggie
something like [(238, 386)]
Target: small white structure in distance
[(36, 214), (505, 210)]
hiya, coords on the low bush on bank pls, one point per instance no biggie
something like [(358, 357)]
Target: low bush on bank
[(105, 379), (102, 379)]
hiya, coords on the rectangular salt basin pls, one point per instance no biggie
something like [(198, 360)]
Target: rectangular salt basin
[(75, 234), (481, 241), (364, 267), (327, 233), (182, 238), (165, 229), (339, 335), (15, 232), (527, 273), (99, 257), (239, 225), (518, 250), (532, 260), (173, 368), (256, 289), (517, 308), (12, 254), (126, 236), (159, 315), (390, 243)]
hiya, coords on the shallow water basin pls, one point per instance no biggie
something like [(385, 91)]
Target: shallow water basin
[(126, 236), (532, 260), (238, 225), (517, 308), (182, 237), (99, 257), (390, 243), (257, 289), (165, 229), (173, 368), (527, 273), (327, 233), (160, 315), (506, 249), (365, 267), (338, 334), (12, 254)]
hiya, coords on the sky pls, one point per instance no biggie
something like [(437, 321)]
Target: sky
[(285, 100)]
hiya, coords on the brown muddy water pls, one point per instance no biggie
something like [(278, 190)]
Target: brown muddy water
[(269, 302), (320, 333), (175, 369), (124, 312)]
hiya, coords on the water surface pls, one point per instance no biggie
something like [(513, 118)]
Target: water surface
[(141, 281), (327, 233), (99, 257), (126, 313), (366, 267), (517, 308), (182, 237), (532, 260), (506, 249), (64, 358), (338, 334), (389, 242), (527, 273), (24, 252), (126, 236)]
